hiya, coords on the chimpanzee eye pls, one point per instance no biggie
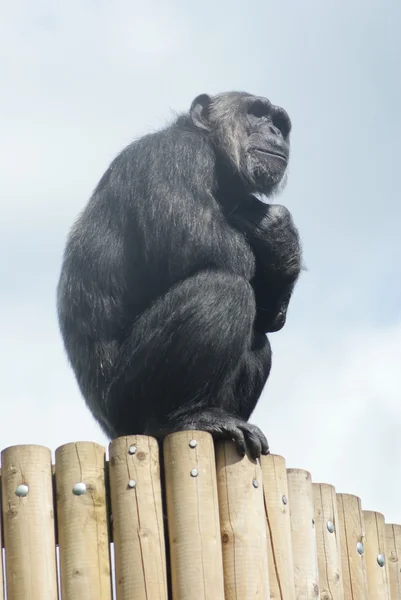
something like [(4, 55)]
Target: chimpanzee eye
[(259, 109)]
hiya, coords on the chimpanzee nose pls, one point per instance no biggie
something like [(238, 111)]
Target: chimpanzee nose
[(275, 130), (281, 120)]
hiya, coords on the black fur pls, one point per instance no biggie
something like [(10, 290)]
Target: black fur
[(175, 271)]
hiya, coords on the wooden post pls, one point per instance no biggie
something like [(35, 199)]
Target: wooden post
[(243, 525), (393, 554), (28, 512), (328, 542), (82, 522), (352, 538), (376, 560), (275, 488), (306, 574), (2, 596), (193, 516), (138, 531)]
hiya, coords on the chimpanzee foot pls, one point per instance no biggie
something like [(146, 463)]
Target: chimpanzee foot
[(247, 436), (221, 425)]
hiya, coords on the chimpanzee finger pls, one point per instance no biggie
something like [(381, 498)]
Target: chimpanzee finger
[(265, 443), (253, 443), (265, 446), (239, 439), (263, 440)]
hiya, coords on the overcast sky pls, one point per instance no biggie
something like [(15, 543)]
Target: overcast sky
[(80, 80)]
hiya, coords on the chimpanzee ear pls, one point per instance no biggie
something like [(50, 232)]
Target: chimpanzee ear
[(200, 111)]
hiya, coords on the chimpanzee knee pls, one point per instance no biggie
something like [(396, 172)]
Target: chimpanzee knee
[(226, 306)]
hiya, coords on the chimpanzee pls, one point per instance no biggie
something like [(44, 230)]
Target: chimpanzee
[(175, 271)]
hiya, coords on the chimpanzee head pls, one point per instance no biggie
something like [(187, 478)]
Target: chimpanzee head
[(250, 133)]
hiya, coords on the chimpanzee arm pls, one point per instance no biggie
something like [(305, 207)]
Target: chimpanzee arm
[(274, 239)]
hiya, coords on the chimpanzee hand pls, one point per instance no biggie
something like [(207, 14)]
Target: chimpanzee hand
[(274, 239)]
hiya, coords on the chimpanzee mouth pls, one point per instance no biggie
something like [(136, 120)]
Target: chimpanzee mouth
[(271, 153)]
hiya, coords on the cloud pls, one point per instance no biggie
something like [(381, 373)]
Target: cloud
[(333, 406)]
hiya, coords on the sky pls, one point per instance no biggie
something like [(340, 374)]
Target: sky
[(79, 81)]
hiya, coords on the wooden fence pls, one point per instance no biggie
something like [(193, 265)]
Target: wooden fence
[(91, 529)]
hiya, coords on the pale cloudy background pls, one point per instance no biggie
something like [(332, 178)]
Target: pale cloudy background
[(80, 80)]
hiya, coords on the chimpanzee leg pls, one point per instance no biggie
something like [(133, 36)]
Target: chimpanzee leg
[(252, 375), (186, 358)]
